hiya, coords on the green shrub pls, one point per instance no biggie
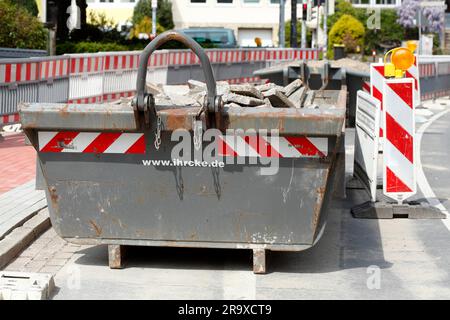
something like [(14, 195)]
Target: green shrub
[(19, 28), (347, 31), (89, 47), (30, 5)]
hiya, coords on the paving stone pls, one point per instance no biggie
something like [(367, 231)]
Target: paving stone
[(278, 99), (63, 255), (50, 269), (292, 87), (56, 262), (265, 87), (242, 100), (233, 105), (18, 264), (196, 85), (309, 98), (153, 89), (246, 90), (298, 96), (267, 103), (35, 265)]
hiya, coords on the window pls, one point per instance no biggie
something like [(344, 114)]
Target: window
[(106, 0), (224, 1), (198, 1), (251, 1), (361, 1)]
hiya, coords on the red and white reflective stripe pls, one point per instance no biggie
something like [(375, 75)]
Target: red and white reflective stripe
[(86, 64), (18, 72), (427, 69), (91, 142), (413, 73), (9, 119), (274, 147), (255, 55), (366, 86), (96, 99), (158, 59), (121, 62), (54, 69), (398, 168), (116, 96), (376, 86)]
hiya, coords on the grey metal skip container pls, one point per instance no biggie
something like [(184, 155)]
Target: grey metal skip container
[(111, 178)]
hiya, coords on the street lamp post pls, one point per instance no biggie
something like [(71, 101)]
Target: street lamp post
[(281, 24)]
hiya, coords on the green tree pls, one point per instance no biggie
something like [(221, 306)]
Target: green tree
[(19, 28), (348, 31), (163, 15), (30, 5)]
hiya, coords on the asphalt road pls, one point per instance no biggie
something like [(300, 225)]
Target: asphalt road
[(355, 259)]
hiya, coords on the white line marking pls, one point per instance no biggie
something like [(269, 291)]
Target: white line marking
[(422, 181)]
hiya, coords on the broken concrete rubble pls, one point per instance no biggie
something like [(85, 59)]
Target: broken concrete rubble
[(246, 90), (298, 96), (269, 95), (292, 87), (242, 100), (278, 99)]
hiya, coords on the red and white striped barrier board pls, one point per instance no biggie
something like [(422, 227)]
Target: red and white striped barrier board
[(377, 82), (97, 99), (273, 147), (427, 70), (366, 86), (9, 119), (52, 69), (255, 55), (91, 142), (159, 58), (399, 176), (123, 61), (413, 73), (18, 72), (376, 86), (117, 96), (86, 64)]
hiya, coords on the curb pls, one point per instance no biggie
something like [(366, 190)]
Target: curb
[(21, 237)]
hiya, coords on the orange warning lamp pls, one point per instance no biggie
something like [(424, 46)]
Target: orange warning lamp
[(401, 60)]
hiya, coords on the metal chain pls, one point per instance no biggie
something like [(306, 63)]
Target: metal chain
[(158, 133), (198, 131)]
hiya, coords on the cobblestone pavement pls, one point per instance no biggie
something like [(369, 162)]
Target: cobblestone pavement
[(49, 253)]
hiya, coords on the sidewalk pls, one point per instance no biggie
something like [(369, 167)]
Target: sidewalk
[(18, 162)]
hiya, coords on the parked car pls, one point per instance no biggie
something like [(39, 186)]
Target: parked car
[(212, 37)]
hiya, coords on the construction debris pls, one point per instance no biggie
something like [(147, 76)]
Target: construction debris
[(278, 99), (298, 96), (268, 95), (246, 90), (242, 100), (292, 87), (310, 95)]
